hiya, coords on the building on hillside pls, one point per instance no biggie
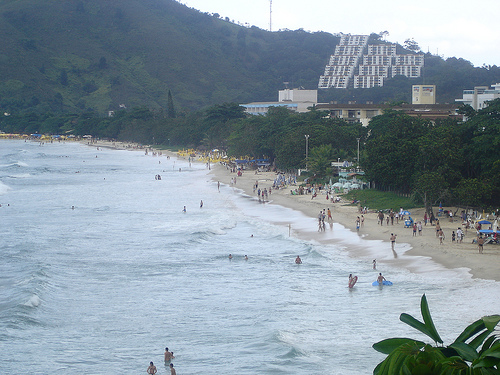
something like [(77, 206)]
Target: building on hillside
[(423, 94), (296, 100), (363, 113), (342, 64), (357, 64), (479, 97)]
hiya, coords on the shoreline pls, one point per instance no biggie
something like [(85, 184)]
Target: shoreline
[(450, 255)]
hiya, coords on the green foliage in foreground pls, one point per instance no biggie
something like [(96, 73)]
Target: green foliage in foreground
[(476, 351), (381, 200)]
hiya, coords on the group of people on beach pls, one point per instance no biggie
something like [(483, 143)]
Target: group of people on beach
[(325, 214), (168, 357)]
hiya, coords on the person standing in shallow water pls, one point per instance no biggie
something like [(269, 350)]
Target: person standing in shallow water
[(172, 369), (298, 260), (168, 355), (393, 240), (151, 369)]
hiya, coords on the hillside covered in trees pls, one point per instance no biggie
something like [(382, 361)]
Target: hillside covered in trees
[(80, 56)]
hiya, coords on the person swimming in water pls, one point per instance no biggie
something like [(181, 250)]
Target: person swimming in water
[(298, 260)]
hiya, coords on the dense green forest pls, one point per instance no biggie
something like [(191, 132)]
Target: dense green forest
[(447, 160), (80, 56)]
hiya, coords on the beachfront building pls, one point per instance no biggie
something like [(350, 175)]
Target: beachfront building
[(357, 64), (296, 100), (363, 113), (423, 94), (479, 96)]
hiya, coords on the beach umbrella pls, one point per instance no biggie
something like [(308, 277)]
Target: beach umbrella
[(406, 213), (484, 222)]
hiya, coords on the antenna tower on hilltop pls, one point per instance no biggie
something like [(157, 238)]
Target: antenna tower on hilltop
[(270, 15)]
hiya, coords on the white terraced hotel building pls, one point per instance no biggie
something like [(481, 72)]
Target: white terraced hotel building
[(357, 64)]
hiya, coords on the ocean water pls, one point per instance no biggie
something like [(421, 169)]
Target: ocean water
[(101, 270)]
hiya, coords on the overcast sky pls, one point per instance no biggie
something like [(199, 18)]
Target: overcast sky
[(458, 28)]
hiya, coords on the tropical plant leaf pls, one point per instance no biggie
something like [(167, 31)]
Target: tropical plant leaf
[(489, 342), (477, 341), (411, 357), (415, 323), (491, 321), (486, 363), (426, 315), (471, 330), (465, 351), (388, 345), (494, 351)]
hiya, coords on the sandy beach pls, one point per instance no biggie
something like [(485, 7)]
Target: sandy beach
[(448, 254), (451, 255)]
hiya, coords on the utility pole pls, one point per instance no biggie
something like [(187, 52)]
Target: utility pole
[(307, 150), (270, 15), (358, 153)]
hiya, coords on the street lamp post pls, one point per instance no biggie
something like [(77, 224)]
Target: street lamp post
[(307, 150), (358, 152), (338, 166)]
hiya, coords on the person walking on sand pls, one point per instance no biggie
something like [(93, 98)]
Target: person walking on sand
[(329, 214), (393, 240), (460, 235), (151, 369), (480, 243), (441, 236), (438, 228), (381, 218)]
